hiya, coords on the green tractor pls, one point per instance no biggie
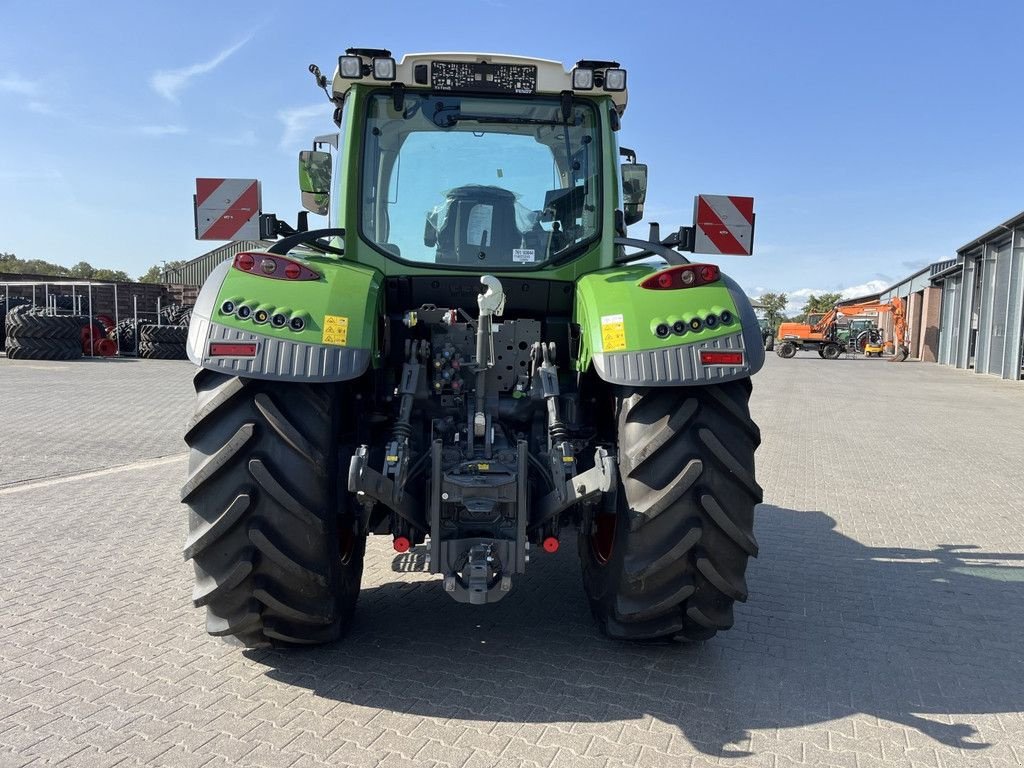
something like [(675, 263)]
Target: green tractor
[(474, 359)]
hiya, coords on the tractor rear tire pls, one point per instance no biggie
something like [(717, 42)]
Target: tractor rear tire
[(164, 334), (277, 553), (29, 324), (33, 348), (786, 349), (161, 350), (669, 560)]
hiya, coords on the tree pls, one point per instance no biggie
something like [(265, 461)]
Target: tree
[(819, 305), (111, 276), (773, 305), (155, 274), (12, 264)]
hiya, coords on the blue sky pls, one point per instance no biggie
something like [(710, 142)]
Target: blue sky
[(876, 136)]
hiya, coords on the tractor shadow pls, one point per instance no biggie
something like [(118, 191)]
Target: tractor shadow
[(833, 628)]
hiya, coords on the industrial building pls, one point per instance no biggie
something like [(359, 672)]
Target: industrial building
[(194, 273), (983, 303), (968, 312)]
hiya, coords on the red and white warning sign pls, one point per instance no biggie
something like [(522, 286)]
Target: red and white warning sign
[(227, 209), (723, 224)]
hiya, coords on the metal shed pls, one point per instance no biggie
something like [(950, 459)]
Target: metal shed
[(195, 272), (983, 303), (922, 300)]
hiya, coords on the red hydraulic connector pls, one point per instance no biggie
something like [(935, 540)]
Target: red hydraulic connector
[(550, 544), (401, 544)]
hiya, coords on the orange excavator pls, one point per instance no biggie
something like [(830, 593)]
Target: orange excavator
[(820, 334)]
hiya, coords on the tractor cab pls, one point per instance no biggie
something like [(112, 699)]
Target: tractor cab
[(484, 162)]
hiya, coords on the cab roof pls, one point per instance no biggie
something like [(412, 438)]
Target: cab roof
[(421, 70)]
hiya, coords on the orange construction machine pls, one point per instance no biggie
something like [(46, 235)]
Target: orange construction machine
[(821, 332)]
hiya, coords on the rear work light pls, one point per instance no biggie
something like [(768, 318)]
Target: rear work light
[(685, 276), (714, 357), (221, 349), (274, 267)]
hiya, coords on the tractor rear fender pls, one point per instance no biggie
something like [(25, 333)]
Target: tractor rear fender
[(322, 327), (622, 328)]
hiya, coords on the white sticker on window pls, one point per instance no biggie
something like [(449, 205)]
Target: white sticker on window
[(479, 226), (523, 255)]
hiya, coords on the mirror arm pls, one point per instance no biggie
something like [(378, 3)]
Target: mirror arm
[(683, 240), (311, 238)]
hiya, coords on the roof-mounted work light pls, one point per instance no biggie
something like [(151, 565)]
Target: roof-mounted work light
[(383, 69), (350, 67), (615, 79), (582, 79)]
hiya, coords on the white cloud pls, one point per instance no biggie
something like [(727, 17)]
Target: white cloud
[(800, 296), (865, 289), (297, 122), (11, 83), (168, 82), (160, 130)]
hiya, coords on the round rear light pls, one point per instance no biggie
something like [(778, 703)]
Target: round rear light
[(695, 324), (725, 316), (662, 331), (246, 262), (687, 276), (244, 312), (665, 280), (297, 324), (278, 320), (678, 327), (228, 307), (292, 271), (268, 266), (710, 321), (261, 316), (708, 273)]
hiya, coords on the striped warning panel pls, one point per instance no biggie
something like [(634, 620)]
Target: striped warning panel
[(227, 209), (723, 224)]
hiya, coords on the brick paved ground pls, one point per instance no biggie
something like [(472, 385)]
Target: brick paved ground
[(885, 624)]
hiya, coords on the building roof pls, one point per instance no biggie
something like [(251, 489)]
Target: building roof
[(997, 232), (196, 271)]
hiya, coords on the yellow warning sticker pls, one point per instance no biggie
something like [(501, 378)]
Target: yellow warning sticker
[(483, 467), (335, 330), (613, 333)]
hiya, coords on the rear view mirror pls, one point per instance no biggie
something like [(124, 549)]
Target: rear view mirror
[(634, 191), (315, 181)]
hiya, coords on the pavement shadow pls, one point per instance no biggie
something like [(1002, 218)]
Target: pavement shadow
[(919, 637)]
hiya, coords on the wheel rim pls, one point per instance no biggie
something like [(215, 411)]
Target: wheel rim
[(602, 540)]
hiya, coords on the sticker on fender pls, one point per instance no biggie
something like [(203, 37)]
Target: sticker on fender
[(335, 330), (613, 333)]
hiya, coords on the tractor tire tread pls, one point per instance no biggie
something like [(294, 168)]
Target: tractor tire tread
[(263, 519), (676, 573)]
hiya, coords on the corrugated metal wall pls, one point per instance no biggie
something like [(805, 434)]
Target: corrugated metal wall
[(949, 331), (196, 271), (983, 306)]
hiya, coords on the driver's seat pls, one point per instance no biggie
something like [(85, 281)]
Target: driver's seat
[(478, 225)]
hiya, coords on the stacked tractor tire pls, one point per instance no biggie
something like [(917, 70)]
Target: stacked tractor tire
[(30, 333), (162, 342), (33, 335)]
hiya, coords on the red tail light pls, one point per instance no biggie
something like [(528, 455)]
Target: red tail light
[(685, 276), (274, 267), (712, 357)]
